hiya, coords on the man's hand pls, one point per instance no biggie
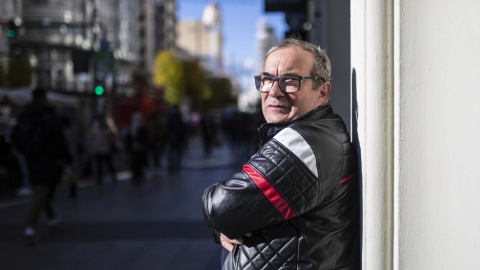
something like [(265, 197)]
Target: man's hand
[(228, 243)]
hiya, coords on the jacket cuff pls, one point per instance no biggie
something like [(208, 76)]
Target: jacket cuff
[(216, 236)]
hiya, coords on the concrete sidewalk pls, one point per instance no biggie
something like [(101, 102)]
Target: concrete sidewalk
[(156, 225)]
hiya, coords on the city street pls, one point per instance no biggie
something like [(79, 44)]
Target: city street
[(156, 225)]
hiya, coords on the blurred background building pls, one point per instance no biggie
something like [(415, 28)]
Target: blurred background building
[(88, 49), (10, 11), (203, 38), (101, 51), (265, 38), (157, 19)]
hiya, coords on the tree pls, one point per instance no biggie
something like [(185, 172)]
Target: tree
[(219, 93), (194, 80), (169, 73), (187, 78)]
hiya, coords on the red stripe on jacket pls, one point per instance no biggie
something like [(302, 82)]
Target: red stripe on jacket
[(348, 178), (270, 192)]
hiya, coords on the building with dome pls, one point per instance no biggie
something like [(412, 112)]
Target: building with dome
[(203, 39)]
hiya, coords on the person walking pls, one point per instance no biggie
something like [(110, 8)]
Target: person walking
[(136, 140), (156, 131), (102, 144), (39, 137), (175, 138), (209, 134)]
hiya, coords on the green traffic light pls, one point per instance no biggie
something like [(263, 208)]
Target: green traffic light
[(11, 33), (99, 90)]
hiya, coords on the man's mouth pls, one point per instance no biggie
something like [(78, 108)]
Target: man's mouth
[(278, 106)]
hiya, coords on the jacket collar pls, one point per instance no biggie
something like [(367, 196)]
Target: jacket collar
[(267, 130)]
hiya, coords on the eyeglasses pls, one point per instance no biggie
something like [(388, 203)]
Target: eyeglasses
[(287, 83)]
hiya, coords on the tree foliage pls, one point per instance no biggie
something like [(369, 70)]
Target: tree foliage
[(220, 93), (169, 73), (194, 79), (183, 79)]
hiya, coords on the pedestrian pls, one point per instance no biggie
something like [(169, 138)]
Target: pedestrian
[(38, 136), (136, 141), (102, 144), (156, 130), (175, 138), (295, 203), (209, 133)]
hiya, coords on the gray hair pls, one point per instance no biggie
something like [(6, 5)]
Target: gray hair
[(321, 64)]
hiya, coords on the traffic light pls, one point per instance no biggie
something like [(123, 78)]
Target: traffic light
[(99, 90), (12, 29)]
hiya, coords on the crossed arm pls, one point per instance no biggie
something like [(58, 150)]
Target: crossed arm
[(259, 196)]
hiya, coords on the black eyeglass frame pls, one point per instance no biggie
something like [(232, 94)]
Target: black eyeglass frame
[(277, 79)]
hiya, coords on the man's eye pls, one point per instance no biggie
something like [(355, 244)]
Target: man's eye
[(266, 80), (290, 80)]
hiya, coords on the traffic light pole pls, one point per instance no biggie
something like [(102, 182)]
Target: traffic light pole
[(98, 86)]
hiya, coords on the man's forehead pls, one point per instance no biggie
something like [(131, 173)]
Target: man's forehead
[(288, 59)]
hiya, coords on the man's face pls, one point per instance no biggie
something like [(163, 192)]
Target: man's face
[(278, 106)]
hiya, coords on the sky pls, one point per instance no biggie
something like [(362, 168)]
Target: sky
[(240, 18)]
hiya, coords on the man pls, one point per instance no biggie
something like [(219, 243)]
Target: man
[(38, 135), (295, 204)]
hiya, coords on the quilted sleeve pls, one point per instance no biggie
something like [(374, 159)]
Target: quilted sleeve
[(277, 184), (236, 206)]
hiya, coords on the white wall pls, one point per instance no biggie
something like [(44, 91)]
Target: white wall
[(437, 94), (372, 88), (431, 84)]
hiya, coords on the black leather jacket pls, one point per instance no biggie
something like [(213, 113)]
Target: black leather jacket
[(298, 195)]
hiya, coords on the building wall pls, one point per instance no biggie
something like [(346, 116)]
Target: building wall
[(415, 71), (202, 39), (147, 34), (199, 41), (372, 91), (331, 31), (437, 76), (9, 9), (166, 34), (54, 32), (157, 21), (192, 37)]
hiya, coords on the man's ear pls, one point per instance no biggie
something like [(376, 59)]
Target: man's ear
[(324, 93)]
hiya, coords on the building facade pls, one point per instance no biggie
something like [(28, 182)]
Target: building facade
[(203, 39), (157, 21), (10, 12), (73, 44)]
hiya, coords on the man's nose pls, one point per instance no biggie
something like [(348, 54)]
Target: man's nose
[(275, 90)]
